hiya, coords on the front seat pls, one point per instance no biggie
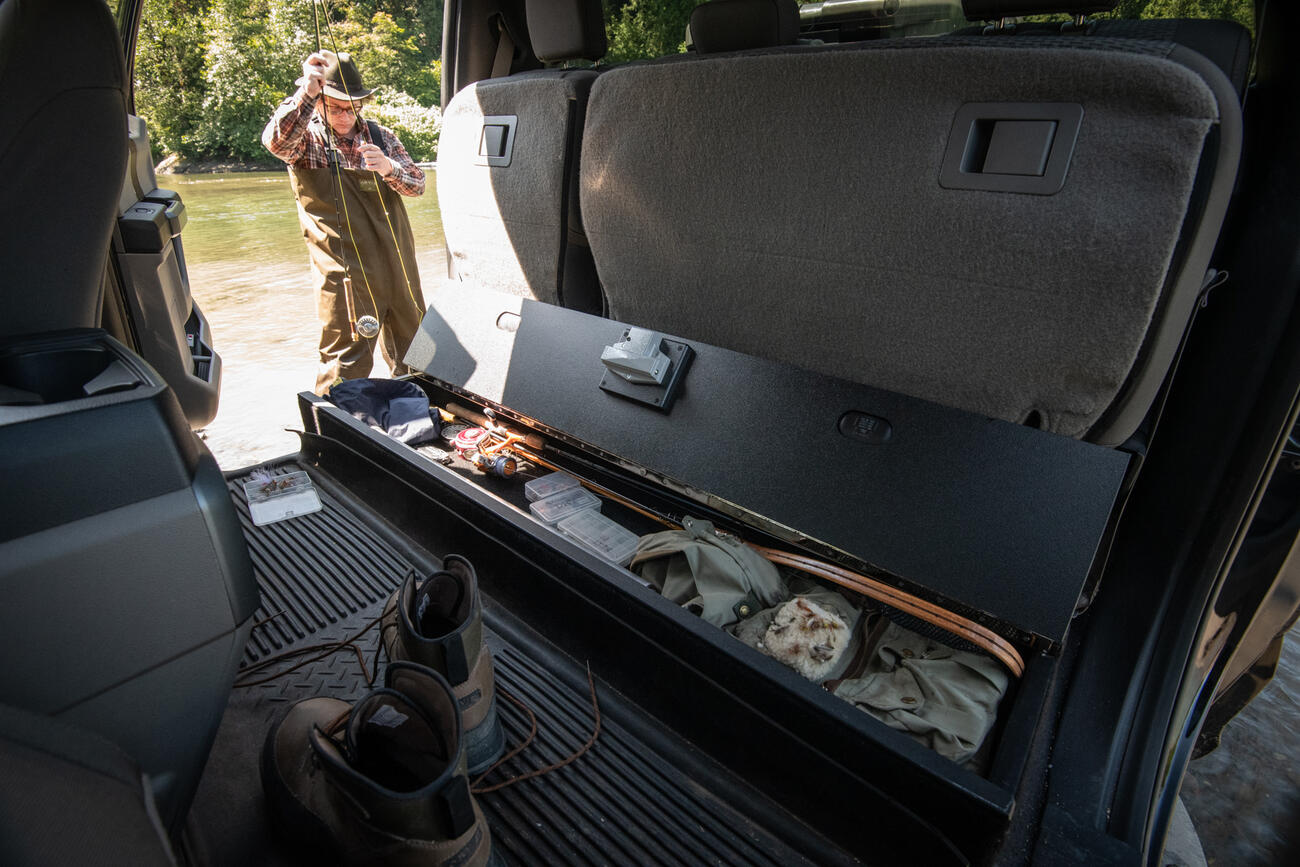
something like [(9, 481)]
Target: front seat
[(63, 150), (127, 585)]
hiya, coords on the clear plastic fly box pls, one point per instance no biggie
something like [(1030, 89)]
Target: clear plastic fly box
[(548, 486), (274, 498), (559, 506), (601, 535)]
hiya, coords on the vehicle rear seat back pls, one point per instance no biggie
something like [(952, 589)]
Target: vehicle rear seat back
[(815, 228), (65, 787), (507, 167), (1225, 43)]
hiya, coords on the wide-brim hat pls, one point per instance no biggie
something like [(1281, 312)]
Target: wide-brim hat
[(342, 79)]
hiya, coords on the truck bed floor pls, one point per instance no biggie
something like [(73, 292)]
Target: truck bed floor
[(640, 795)]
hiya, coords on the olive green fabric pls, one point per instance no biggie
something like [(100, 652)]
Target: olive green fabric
[(720, 576), (357, 229), (947, 699), (944, 698)]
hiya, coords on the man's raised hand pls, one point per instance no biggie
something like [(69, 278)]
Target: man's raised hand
[(375, 161), (313, 72)]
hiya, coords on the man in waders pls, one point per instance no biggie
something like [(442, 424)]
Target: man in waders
[(349, 176)]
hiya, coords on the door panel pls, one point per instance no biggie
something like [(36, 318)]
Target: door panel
[(171, 331)]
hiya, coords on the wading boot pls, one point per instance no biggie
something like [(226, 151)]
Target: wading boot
[(438, 622), (382, 781)]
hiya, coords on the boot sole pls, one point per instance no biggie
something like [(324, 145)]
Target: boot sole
[(485, 743)]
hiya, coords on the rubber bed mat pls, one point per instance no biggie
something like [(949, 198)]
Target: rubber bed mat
[(638, 796)]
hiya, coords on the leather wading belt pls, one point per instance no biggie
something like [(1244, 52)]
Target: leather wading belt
[(334, 256)]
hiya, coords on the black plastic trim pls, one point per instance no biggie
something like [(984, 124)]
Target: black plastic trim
[(1118, 760), (505, 122), (963, 161)]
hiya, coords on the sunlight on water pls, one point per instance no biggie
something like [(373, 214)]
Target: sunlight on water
[(250, 276)]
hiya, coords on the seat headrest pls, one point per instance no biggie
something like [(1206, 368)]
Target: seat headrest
[(991, 10), (566, 29), (735, 25)]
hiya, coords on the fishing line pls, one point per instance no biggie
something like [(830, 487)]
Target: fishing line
[(392, 233), (367, 330)]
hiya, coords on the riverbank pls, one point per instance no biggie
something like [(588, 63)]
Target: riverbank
[(177, 165)]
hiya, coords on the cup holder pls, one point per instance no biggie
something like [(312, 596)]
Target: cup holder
[(54, 375)]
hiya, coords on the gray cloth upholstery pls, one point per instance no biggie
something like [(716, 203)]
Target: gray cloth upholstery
[(507, 226), (736, 25), (68, 796), (1224, 43), (65, 97), (988, 10), (566, 29), (825, 240)]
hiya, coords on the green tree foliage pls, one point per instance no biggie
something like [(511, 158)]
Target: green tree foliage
[(169, 70), (646, 28), (1241, 11), (417, 126), (254, 55), (386, 52), (210, 72)]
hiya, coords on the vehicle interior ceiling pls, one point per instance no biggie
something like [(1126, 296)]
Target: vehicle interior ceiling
[(1080, 369)]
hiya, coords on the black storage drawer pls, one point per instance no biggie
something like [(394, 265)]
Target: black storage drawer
[(852, 778), (998, 521)]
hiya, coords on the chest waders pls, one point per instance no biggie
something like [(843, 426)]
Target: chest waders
[(349, 241)]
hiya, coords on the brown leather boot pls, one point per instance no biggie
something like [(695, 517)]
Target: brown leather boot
[(382, 781), (438, 622)]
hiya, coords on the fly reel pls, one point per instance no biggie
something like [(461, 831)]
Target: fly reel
[(368, 327), (488, 454)]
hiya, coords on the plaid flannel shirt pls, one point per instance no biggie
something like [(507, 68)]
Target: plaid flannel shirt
[(297, 135)]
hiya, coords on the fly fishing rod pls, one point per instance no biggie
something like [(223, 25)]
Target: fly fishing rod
[(372, 325)]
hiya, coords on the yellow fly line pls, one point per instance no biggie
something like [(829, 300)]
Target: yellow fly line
[(329, 133)]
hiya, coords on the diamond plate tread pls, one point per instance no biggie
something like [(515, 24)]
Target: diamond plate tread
[(316, 572), (617, 804)]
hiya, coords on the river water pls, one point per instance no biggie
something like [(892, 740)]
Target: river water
[(250, 275)]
